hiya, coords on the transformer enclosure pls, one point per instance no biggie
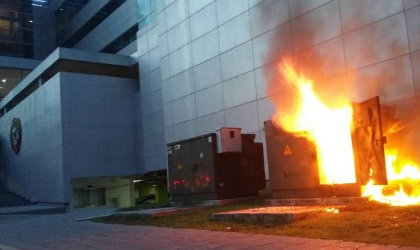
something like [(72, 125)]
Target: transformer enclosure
[(197, 172), (293, 167)]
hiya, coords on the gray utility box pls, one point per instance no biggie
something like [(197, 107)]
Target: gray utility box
[(197, 172), (293, 167), (229, 140)]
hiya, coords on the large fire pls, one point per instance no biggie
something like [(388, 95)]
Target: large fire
[(328, 124)]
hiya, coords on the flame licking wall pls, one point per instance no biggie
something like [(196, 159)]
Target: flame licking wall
[(350, 51)]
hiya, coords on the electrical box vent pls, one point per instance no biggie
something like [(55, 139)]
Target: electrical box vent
[(229, 140)]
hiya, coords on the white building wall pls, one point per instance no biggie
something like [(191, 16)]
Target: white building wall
[(151, 116), (216, 56)]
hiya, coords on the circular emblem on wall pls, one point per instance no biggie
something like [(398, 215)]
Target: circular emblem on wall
[(16, 135)]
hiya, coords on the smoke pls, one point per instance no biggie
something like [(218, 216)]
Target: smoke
[(322, 62)]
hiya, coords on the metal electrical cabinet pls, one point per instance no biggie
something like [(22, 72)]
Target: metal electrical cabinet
[(293, 167), (190, 166), (292, 164), (197, 172)]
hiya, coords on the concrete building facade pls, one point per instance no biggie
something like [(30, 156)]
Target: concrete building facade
[(217, 58), (202, 65)]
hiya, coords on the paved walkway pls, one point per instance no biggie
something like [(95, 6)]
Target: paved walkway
[(31, 209), (62, 231)]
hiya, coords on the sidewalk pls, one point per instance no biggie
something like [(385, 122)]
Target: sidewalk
[(32, 209), (61, 231), (144, 237)]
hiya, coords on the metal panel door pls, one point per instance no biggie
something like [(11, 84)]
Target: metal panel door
[(291, 160), (179, 168), (202, 164), (368, 143)]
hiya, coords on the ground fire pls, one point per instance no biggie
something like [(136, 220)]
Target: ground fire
[(329, 125)]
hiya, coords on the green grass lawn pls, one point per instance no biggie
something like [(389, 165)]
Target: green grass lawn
[(363, 222)]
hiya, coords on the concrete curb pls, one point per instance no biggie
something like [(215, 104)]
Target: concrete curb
[(93, 217), (32, 210)]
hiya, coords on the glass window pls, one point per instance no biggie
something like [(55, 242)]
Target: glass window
[(16, 28), (9, 78)]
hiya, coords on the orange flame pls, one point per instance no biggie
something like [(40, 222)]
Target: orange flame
[(327, 125), (403, 182), (403, 177)]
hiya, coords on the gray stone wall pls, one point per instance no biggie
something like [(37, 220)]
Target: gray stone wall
[(149, 53), (98, 127), (216, 56), (37, 171), (74, 126)]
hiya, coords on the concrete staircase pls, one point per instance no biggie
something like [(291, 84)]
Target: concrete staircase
[(9, 199)]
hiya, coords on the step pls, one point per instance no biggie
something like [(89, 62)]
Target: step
[(9, 199)]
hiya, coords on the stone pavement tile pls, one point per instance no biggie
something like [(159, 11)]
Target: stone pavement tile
[(271, 246), (250, 243), (293, 240), (80, 246), (187, 237), (214, 244), (116, 241), (183, 242), (379, 247), (223, 237), (163, 247), (135, 236), (205, 245), (212, 234), (122, 245), (219, 245), (315, 244), (346, 245), (102, 247), (270, 239), (63, 245), (167, 241), (194, 246)]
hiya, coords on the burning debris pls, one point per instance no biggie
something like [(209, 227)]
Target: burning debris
[(332, 210), (403, 183)]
